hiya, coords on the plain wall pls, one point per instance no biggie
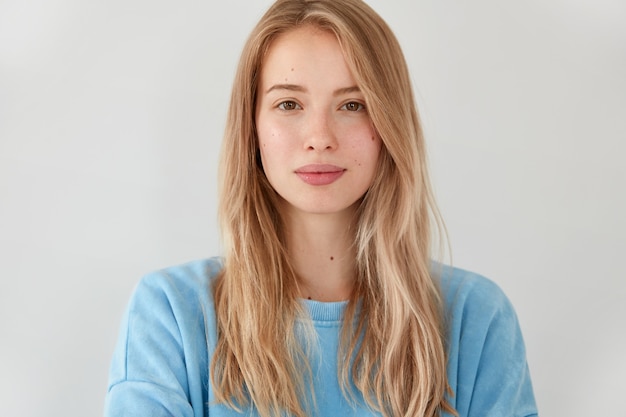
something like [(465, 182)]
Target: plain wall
[(111, 116)]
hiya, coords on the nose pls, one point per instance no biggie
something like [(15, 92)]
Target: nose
[(320, 133)]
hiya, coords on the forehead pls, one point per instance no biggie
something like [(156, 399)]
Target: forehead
[(305, 54), (303, 33)]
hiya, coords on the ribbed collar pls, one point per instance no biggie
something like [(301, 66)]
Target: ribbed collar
[(325, 311)]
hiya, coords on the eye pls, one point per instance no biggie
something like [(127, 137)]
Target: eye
[(353, 106), (289, 105)]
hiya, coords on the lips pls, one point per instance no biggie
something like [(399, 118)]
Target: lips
[(319, 174)]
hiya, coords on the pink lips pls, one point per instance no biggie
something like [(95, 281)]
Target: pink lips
[(319, 174)]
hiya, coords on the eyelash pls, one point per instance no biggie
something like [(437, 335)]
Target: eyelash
[(282, 104), (296, 106), (360, 106)]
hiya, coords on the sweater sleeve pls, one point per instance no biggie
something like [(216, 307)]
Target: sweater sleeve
[(487, 354), (149, 375)]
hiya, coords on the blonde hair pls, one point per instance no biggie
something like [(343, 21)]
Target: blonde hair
[(398, 346)]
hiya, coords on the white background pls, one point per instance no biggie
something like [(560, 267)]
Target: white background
[(111, 116)]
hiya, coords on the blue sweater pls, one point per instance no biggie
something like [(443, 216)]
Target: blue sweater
[(160, 365)]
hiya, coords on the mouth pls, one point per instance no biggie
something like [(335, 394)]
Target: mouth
[(319, 174), (318, 169)]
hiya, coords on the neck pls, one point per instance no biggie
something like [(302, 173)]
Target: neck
[(322, 253)]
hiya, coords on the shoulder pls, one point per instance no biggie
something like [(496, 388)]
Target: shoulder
[(184, 284), (487, 367), (185, 277), (177, 300), (480, 320), (170, 311), (465, 292), (162, 353)]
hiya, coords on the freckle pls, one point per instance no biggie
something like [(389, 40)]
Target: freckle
[(373, 138), (292, 69)]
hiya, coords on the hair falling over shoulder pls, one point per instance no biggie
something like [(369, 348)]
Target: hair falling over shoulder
[(398, 347)]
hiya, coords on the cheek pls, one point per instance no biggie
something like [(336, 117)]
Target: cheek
[(365, 144), (269, 133), (263, 143), (274, 149), (373, 152), (266, 138), (265, 149)]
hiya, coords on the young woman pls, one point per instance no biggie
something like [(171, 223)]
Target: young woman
[(326, 301)]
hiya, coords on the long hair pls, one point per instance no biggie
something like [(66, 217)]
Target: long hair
[(395, 355)]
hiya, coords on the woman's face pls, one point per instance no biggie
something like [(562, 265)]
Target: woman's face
[(318, 146)]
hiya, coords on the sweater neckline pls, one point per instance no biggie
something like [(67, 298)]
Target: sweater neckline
[(323, 311)]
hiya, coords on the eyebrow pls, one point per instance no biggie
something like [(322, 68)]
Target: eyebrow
[(289, 87), (301, 89), (347, 90)]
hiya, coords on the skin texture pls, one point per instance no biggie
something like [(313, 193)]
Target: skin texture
[(319, 151)]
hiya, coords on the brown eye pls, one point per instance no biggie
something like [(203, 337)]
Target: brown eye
[(288, 105), (353, 106)]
